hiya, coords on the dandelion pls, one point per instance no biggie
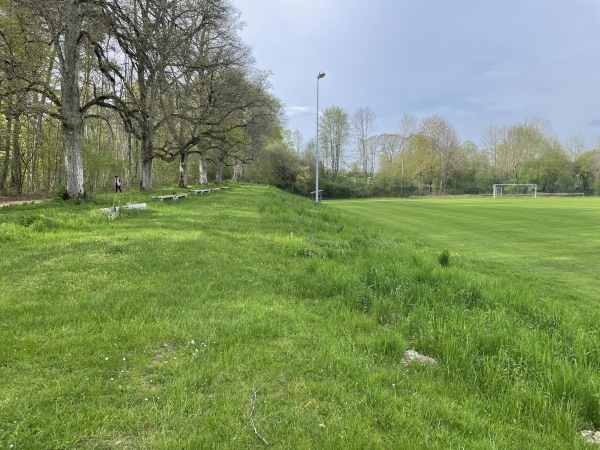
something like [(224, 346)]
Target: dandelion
[(106, 359), (124, 359)]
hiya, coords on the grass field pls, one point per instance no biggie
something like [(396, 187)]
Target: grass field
[(554, 243), (251, 316)]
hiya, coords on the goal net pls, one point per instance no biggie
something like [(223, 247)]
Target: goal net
[(515, 190)]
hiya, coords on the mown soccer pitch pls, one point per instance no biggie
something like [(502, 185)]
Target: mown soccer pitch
[(553, 242)]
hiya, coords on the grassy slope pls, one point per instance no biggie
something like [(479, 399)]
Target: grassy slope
[(164, 328)]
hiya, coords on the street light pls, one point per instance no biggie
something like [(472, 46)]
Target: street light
[(319, 76)]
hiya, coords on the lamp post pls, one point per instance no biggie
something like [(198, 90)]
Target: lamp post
[(319, 76)]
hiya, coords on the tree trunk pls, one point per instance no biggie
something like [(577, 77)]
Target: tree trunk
[(147, 125), (146, 183), (146, 142), (6, 165), (219, 175), (128, 177), (238, 172), (183, 169), (203, 178), (72, 118), (16, 175)]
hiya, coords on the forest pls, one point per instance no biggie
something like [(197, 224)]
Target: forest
[(166, 93), (94, 89)]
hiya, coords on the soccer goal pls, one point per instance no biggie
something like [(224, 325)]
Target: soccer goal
[(515, 190)]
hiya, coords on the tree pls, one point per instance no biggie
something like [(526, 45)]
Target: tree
[(408, 126), (522, 144), (444, 145), (276, 165), (420, 161), (552, 170), (575, 146), (389, 145), (335, 132), (363, 125), (298, 141), (493, 136), (63, 22)]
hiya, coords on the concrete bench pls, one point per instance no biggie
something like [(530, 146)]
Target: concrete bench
[(115, 209), (201, 191), (173, 197)]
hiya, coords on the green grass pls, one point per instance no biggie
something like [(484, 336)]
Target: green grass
[(551, 240), (180, 325)]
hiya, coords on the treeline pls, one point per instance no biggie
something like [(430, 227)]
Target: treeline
[(426, 157), (165, 91), (93, 89)]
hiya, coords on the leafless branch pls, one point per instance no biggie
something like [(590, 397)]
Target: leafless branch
[(252, 405)]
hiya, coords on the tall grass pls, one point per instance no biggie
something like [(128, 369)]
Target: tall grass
[(183, 325)]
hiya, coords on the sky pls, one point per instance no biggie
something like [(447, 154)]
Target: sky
[(474, 62)]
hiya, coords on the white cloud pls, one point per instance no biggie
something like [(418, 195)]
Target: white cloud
[(297, 110)]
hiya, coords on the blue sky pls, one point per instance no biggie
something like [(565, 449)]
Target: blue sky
[(475, 62)]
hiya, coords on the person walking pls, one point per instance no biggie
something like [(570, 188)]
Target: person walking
[(118, 185)]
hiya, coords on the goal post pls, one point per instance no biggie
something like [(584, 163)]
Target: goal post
[(515, 189)]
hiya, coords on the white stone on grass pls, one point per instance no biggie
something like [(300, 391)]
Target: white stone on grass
[(411, 356)]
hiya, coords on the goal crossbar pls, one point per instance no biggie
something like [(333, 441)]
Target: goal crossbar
[(501, 186)]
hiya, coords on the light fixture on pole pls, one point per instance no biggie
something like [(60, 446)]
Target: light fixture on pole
[(319, 76)]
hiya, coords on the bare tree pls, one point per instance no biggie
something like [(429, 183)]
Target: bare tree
[(408, 127), (298, 141), (363, 125), (575, 146), (493, 136), (334, 136), (389, 146)]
